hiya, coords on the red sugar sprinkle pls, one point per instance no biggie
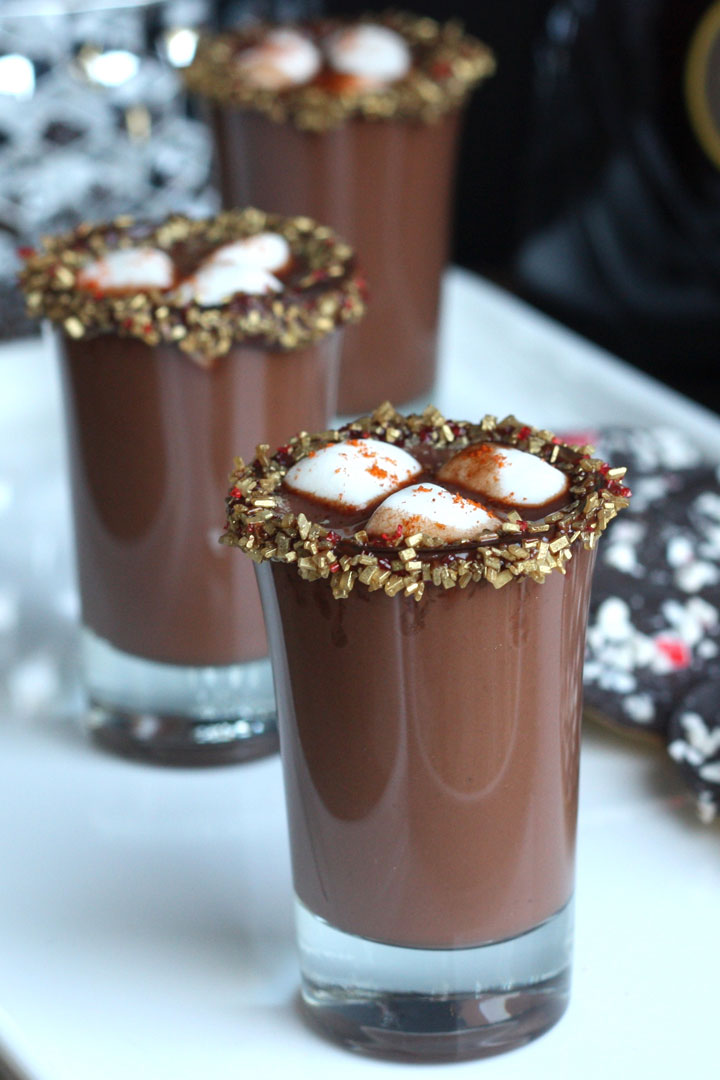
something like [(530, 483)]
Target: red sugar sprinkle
[(619, 489), (524, 432)]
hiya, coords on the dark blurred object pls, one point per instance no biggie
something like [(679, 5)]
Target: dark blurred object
[(93, 121), (622, 207), (229, 13)]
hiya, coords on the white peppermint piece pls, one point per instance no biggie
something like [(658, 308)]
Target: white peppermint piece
[(216, 283), (639, 707), (679, 550), (509, 476), (267, 250), (696, 575), (624, 558), (129, 268), (353, 474), (433, 510), (372, 53), (283, 59), (708, 504)]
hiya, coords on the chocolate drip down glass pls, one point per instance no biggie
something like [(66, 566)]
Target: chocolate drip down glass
[(173, 644), (430, 750)]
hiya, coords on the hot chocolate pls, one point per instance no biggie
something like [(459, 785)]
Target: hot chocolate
[(426, 587), (355, 123), (180, 345)]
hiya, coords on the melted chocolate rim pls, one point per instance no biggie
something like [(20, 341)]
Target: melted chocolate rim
[(331, 294), (520, 549), (447, 65)]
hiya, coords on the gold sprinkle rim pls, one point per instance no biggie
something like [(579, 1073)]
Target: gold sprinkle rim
[(447, 65), (265, 531), (330, 295)]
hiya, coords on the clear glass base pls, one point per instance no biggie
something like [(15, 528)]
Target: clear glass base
[(177, 715), (415, 1004)]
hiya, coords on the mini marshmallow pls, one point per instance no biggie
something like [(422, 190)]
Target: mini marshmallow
[(267, 250), (433, 510), (373, 54), (353, 475), (128, 268), (283, 59), (216, 283), (509, 476)]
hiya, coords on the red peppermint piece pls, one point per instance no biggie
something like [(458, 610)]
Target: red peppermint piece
[(675, 650)]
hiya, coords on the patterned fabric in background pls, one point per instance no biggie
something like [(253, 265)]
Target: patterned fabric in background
[(94, 121)]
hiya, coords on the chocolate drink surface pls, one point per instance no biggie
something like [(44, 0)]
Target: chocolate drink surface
[(354, 122), (425, 585), (182, 344)]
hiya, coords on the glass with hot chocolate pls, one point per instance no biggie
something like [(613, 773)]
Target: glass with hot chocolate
[(354, 122), (425, 586), (181, 344)]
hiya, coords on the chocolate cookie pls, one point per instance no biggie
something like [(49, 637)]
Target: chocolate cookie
[(694, 742), (654, 629)]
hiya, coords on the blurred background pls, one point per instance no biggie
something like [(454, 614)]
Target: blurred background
[(588, 180)]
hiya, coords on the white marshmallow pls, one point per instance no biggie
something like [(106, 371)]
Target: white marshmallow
[(216, 283), (433, 510), (129, 268), (353, 474), (283, 59), (512, 477), (370, 52), (268, 250)]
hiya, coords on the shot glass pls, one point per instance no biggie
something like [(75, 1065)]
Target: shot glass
[(180, 344), (362, 134), (429, 688)]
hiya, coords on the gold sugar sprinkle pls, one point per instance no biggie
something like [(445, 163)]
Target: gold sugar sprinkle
[(297, 319), (447, 65), (520, 550)]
